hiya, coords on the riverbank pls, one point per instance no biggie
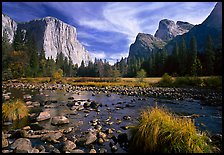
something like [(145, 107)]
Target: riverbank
[(208, 96), (97, 119)]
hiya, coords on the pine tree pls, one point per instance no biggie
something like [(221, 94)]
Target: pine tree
[(193, 61), (209, 57), (183, 57)]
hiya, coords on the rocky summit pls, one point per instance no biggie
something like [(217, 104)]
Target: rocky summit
[(52, 35), (144, 45), (211, 26), (168, 29)]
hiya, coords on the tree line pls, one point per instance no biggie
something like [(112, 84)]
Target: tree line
[(182, 61), (21, 59)]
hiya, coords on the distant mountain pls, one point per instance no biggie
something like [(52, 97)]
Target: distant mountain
[(9, 26), (144, 44), (211, 26), (52, 35), (168, 29)]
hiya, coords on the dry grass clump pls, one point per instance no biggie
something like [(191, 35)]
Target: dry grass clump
[(14, 110), (162, 132)]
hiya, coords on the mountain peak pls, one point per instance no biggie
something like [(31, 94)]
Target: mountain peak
[(168, 29), (213, 20)]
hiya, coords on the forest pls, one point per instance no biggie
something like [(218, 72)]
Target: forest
[(21, 59)]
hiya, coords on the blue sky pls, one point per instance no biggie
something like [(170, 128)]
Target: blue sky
[(107, 29)]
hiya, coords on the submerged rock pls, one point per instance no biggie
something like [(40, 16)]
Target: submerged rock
[(90, 138), (68, 145), (43, 116), (52, 137), (22, 145), (59, 120)]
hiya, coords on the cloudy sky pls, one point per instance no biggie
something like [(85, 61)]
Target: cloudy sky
[(107, 29)]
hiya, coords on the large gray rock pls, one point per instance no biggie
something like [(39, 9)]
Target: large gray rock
[(43, 116), (22, 145), (55, 36), (168, 29), (52, 35), (9, 26), (59, 120)]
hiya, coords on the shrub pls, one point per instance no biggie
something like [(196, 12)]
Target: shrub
[(141, 75), (214, 82), (166, 80), (188, 81), (162, 132), (14, 110), (58, 74)]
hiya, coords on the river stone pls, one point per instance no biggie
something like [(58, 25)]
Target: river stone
[(68, 145), (103, 150), (90, 138), (27, 97), (100, 141), (43, 116), (26, 128), (36, 104), (5, 142), (59, 120), (92, 151), (52, 137), (76, 151), (22, 145), (28, 102), (6, 97)]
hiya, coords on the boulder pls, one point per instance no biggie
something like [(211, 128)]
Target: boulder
[(59, 120), (90, 138), (43, 116), (68, 145), (22, 145), (52, 137)]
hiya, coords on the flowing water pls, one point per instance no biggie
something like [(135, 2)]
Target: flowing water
[(114, 106)]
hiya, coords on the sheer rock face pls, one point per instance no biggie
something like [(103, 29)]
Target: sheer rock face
[(214, 20), (9, 26), (168, 29), (144, 45), (211, 26), (55, 36)]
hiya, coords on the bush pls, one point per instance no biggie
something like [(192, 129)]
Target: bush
[(188, 81), (141, 75), (14, 110), (166, 80), (214, 82), (161, 132)]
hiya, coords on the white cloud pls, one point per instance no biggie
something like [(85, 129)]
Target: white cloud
[(97, 54)]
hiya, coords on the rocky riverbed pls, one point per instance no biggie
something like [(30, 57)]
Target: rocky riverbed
[(65, 118)]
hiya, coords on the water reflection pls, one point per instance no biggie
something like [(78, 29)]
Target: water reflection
[(210, 117)]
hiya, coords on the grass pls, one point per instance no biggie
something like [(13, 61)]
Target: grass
[(165, 81), (14, 110), (159, 131)]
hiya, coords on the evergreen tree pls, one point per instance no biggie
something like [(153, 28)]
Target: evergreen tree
[(183, 57), (209, 57), (193, 61)]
